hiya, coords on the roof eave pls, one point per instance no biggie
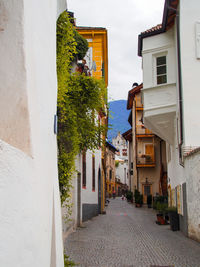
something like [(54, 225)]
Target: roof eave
[(159, 31), (145, 35)]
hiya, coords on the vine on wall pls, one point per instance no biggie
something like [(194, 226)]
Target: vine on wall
[(79, 98)]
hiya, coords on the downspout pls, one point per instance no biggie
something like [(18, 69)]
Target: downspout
[(180, 100), (161, 166), (136, 149), (180, 89)]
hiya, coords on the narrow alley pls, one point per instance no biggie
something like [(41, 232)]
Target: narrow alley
[(129, 236)]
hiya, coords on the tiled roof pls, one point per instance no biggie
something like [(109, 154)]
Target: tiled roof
[(169, 15), (153, 29)]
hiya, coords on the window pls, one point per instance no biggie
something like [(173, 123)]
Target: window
[(84, 168), (93, 173), (161, 70)]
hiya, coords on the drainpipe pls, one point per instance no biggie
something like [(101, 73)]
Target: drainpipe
[(180, 100), (180, 88), (136, 148)]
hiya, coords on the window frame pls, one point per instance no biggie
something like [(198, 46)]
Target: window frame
[(155, 75)]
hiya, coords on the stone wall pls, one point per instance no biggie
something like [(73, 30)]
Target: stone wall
[(192, 170), (89, 211)]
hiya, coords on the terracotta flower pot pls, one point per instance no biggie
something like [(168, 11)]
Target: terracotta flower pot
[(160, 219)]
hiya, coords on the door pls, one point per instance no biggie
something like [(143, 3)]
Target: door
[(79, 199), (146, 190), (99, 190)]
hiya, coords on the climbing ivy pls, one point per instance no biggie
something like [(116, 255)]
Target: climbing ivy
[(82, 45), (80, 99)]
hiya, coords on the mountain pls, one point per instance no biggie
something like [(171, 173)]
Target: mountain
[(118, 119)]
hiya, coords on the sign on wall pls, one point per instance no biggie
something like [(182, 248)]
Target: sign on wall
[(173, 197), (179, 200)]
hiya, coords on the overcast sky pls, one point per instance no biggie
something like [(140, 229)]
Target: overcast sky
[(124, 20)]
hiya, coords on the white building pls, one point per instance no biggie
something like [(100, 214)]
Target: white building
[(121, 145), (171, 65), (30, 213), (122, 158)]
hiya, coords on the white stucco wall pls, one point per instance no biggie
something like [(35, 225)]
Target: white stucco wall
[(30, 216), (158, 45), (189, 15), (120, 143), (160, 100), (87, 195), (120, 172)]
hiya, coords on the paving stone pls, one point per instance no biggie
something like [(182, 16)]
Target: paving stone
[(129, 237)]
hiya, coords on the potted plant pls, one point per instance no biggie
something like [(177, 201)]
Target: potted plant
[(137, 198), (173, 218), (149, 201), (161, 207), (129, 196), (141, 200)]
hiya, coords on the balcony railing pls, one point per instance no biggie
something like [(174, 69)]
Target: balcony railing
[(146, 160), (142, 130)]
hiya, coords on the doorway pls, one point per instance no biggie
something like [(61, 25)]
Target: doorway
[(99, 190), (146, 190), (79, 199)]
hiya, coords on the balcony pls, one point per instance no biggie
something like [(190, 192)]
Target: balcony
[(146, 161), (160, 110)]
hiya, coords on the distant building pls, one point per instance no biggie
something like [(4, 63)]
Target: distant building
[(120, 143), (121, 158), (148, 166), (110, 169)]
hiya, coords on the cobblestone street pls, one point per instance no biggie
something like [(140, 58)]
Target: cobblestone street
[(129, 236)]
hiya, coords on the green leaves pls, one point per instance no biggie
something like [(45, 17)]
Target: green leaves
[(82, 45), (80, 99)]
